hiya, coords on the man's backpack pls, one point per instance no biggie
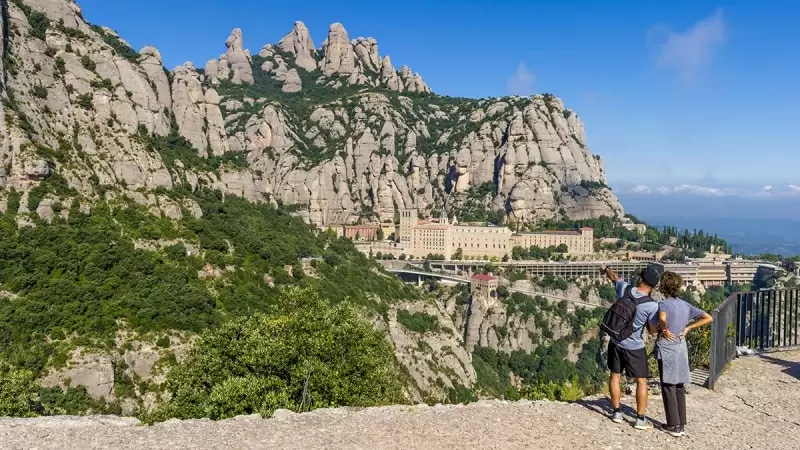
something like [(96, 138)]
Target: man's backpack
[(618, 321)]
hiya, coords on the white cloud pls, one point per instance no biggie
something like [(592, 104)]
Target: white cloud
[(690, 51), (521, 83), (790, 190)]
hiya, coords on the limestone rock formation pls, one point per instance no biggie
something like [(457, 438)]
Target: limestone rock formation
[(235, 64), (338, 52), (292, 82), (299, 43), (239, 59), (362, 138), (197, 112)]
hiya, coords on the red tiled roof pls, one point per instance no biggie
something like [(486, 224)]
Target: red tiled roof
[(482, 277)]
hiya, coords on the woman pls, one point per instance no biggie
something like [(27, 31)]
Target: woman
[(674, 316)]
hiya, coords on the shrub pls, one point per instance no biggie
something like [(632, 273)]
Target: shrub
[(85, 101), (18, 396), (418, 322), (306, 354), (39, 91), (87, 63), (39, 24)]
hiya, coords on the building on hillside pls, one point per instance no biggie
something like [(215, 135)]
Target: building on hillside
[(476, 241), (741, 273), (630, 226), (366, 232), (578, 242), (484, 288), (644, 256), (441, 237), (715, 273)]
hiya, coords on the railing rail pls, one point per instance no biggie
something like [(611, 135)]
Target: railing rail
[(760, 320), (723, 348)]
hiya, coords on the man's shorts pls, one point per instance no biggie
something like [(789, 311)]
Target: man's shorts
[(634, 362)]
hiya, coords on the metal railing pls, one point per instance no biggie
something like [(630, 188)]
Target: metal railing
[(761, 320), (723, 345)]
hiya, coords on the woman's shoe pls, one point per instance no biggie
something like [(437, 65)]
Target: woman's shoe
[(674, 431)]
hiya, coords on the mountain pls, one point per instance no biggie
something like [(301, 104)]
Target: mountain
[(143, 209), (337, 129)]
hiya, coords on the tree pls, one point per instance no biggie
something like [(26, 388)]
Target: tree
[(458, 254), (379, 234), (562, 248), (306, 354), (18, 392)]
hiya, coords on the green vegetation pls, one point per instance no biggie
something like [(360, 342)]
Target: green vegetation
[(174, 148), (38, 21), (690, 243), (546, 373), (79, 277), (17, 392), (419, 322), (88, 63), (39, 91), (305, 354), (86, 101), (540, 254), (593, 186), (120, 48)]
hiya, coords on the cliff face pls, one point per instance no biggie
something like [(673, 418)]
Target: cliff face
[(338, 129)]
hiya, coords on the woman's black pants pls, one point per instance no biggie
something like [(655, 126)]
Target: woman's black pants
[(674, 396)]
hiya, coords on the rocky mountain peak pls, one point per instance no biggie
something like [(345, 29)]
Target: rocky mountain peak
[(341, 132), (299, 43), (338, 52), (235, 64)]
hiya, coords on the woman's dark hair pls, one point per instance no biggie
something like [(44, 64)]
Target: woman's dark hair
[(671, 284)]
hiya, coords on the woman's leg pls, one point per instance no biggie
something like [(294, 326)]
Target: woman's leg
[(670, 397)]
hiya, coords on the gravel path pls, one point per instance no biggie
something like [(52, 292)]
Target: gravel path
[(757, 405)]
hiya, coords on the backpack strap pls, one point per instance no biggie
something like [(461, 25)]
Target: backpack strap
[(628, 293)]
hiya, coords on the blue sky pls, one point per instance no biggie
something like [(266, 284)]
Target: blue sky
[(671, 92)]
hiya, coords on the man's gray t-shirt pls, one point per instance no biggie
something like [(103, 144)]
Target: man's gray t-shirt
[(679, 314), (645, 313)]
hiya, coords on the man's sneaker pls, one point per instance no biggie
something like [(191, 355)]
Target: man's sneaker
[(617, 417), (642, 424), (674, 431)]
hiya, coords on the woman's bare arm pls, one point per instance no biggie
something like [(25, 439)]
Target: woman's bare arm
[(705, 319), (662, 325)]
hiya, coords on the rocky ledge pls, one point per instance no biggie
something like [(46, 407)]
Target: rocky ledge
[(755, 406)]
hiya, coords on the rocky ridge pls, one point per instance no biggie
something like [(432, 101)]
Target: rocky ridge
[(337, 129), (748, 410)]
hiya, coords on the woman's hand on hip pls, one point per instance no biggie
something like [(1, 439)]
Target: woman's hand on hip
[(669, 336)]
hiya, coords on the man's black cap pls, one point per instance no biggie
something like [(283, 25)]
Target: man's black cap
[(651, 276)]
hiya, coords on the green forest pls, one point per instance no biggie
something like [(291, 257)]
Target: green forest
[(76, 281)]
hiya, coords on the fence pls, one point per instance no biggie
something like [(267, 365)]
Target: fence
[(761, 320), (723, 348)]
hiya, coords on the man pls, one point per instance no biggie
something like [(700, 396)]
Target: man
[(630, 354)]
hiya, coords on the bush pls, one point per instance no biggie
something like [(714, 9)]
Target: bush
[(87, 63), (306, 355), (39, 91), (39, 24), (18, 392), (85, 101), (418, 322)]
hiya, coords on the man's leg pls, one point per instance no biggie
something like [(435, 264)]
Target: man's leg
[(614, 390), (641, 396)]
